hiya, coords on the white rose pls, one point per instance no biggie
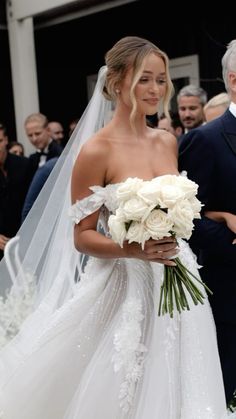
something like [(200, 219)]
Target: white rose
[(188, 187), (137, 233), (196, 206), (158, 224), (182, 216), (170, 180), (174, 188), (117, 229), (163, 190), (170, 194), (128, 189), (149, 192), (135, 209)]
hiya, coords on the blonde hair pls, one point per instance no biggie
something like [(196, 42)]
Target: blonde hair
[(37, 117), (222, 99), (130, 52)]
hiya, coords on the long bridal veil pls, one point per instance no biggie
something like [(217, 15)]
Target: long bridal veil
[(41, 266)]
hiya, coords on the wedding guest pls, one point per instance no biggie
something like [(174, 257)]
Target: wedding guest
[(216, 106), (172, 124), (38, 181), (17, 148), (56, 131), (191, 100), (15, 177), (72, 125), (38, 133), (208, 154)]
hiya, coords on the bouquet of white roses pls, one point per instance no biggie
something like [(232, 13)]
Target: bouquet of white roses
[(162, 207)]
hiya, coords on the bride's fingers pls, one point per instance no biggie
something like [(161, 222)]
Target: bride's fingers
[(163, 257), (172, 248), (155, 251), (166, 262), (161, 241)]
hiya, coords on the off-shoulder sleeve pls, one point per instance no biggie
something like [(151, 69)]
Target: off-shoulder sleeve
[(88, 205)]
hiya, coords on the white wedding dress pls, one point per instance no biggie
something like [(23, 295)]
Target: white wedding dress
[(106, 354)]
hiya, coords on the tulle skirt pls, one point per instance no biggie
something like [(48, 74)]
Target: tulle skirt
[(107, 354)]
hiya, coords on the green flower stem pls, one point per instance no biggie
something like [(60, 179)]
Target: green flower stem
[(177, 296), (195, 297), (232, 403), (185, 276), (178, 261), (170, 294), (177, 281), (165, 296), (161, 298), (192, 289), (183, 296)]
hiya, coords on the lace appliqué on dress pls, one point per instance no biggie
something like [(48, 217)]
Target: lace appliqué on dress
[(101, 196), (129, 351)]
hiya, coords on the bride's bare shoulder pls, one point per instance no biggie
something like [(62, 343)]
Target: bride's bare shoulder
[(164, 137), (95, 149)]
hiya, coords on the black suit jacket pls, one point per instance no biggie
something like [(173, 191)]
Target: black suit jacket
[(208, 154), (54, 150), (13, 189)]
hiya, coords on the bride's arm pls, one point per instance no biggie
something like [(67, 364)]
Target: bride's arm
[(89, 241), (223, 217), (90, 170)]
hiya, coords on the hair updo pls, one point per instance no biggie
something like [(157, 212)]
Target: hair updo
[(130, 52)]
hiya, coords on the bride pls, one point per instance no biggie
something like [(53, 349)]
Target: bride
[(93, 345)]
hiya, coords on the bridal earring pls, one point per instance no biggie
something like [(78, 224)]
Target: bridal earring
[(117, 91)]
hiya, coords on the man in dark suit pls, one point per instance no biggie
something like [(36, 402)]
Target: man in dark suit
[(15, 177), (37, 130), (208, 154), (38, 181)]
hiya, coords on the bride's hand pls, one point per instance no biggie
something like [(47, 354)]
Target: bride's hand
[(155, 250)]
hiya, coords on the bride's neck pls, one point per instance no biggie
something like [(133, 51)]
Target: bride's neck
[(122, 124)]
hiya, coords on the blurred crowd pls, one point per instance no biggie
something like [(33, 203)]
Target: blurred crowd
[(21, 176)]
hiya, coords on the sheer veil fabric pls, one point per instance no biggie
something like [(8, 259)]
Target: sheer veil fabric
[(43, 249)]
